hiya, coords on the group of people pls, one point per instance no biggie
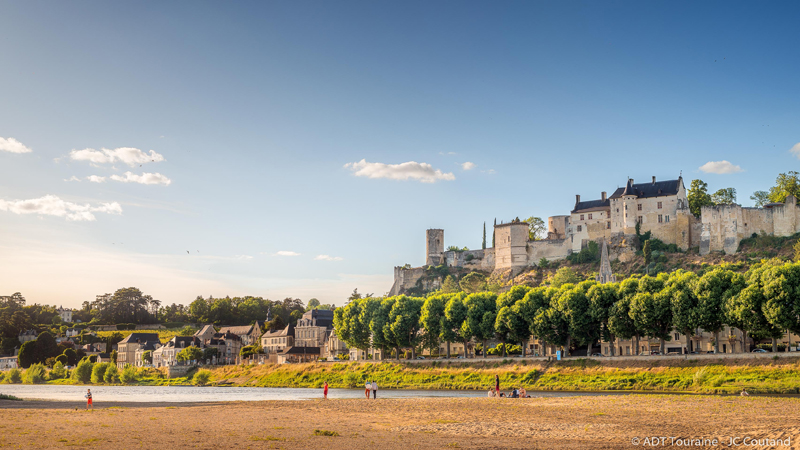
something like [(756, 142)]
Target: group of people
[(371, 386), (515, 393)]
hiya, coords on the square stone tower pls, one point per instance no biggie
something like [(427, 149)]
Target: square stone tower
[(434, 247)]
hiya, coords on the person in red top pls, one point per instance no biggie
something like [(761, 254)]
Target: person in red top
[(325, 390), (496, 383), (89, 399)]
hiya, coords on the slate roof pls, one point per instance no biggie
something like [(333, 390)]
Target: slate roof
[(301, 351), (142, 337), (241, 330), (592, 205), (288, 331), (649, 190)]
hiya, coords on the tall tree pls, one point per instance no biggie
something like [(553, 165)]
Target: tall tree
[(432, 318), (785, 185), (537, 229), (483, 242), (713, 290), (404, 324), (698, 197), (576, 307), (535, 301), (493, 228), (652, 314), (760, 198), (481, 315), (601, 298), (781, 285), (680, 289), (506, 326), (456, 314)]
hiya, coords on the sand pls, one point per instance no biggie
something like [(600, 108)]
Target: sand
[(596, 422)]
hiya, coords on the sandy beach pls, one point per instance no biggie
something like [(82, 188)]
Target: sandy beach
[(601, 422)]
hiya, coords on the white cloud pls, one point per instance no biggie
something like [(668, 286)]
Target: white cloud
[(468, 165), (51, 205), (73, 178), (96, 179), (327, 258), (408, 170), (720, 167), (243, 257), (145, 178), (128, 155), (287, 253), (795, 150), (12, 145)]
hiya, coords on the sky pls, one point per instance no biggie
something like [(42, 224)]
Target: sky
[(301, 149)]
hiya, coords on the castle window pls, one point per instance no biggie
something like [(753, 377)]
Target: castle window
[(590, 217), (639, 207), (639, 219), (660, 218), (608, 225), (659, 205), (581, 216), (579, 228), (666, 218)]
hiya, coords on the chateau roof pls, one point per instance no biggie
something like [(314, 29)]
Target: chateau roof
[(592, 205), (240, 330), (648, 190), (142, 338), (301, 351), (288, 331)]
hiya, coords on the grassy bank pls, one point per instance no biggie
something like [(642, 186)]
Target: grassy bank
[(779, 376)]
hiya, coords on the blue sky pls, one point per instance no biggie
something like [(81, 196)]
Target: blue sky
[(253, 111)]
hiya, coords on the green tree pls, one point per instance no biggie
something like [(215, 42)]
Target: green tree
[(432, 319), (785, 185), (652, 314), (493, 228), (403, 326), (99, 372), (189, 354), (128, 374), (576, 307), (781, 285), (473, 282), (507, 326), (647, 252), (698, 197), (483, 242), (680, 289), (601, 298), (481, 315), (199, 310), (450, 285), (537, 229), (725, 196), (147, 357), (455, 313), (59, 371), (35, 374), (713, 290), (564, 275), (113, 357), (83, 371), (312, 304), (28, 354), (111, 375), (201, 378), (72, 356), (379, 321), (760, 198)]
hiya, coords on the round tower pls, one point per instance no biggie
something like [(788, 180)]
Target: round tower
[(630, 205), (434, 246)]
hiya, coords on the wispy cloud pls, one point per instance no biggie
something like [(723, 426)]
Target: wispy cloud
[(128, 155), (328, 258), (720, 167), (795, 150), (448, 153), (145, 178), (406, 171), (73, 178), (286, 253), (96, 179), (468, 165), (51, 205), (12, 145), (243, 257)]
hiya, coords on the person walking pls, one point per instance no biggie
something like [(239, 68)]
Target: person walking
[(89, 399), (374, 389), (497, 383), (368, 386), (325, 390)]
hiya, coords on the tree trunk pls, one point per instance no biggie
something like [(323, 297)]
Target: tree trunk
[(663, 345), (636, 344), (465, 349), (589, 349), (413, 352), (503, 343), (716, 342), (569, 344), (397, 352), (483, 348), (789, 336), (612, 346), (448, 349), (522, 346), (774, 345), (745, 344)]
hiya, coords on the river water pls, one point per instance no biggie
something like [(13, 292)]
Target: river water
[(183, 394)]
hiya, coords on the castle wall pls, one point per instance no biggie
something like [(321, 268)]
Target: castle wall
[(551, 249), (511, 240), (557, 227), (434, 246), (588, 229)]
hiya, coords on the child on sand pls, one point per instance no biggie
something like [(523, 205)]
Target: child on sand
[(369, 388), (325, 390), (89, 399)]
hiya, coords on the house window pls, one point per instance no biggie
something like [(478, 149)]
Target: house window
[(639, 207), (581, 216), (579, 228), (659, 205), (639, 219), (660, 218), (590, 217), (666, 218), (626, 207)]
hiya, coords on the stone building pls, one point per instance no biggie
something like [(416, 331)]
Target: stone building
[(126, 348), (276, 341), (312, 330), (65, 314), (249, 334)]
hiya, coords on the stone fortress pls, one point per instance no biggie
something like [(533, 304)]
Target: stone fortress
[(660, 207)]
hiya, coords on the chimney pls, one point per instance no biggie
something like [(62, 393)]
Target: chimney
[(603, 196), (577, 199), (654, 179)]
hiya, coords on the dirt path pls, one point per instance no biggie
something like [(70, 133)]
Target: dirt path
[(600, 422)]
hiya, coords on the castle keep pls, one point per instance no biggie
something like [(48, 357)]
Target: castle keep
[(660, 207)]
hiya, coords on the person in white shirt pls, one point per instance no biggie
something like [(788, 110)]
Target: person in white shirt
[(374, 390)]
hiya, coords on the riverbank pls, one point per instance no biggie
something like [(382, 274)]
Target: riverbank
[(696, 375), (586, 422)]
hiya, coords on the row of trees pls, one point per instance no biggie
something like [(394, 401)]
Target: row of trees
[(785, 184), (763, 303)]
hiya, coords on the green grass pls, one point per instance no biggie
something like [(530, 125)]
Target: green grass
[(9, 397), (325, 433), (163, 335)]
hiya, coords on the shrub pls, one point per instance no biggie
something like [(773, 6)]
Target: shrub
[(189, 354), (35, 374), (14, 376), (49, 362), (201, 378), (61, 359), (351, 379), (129, 374), (112, 374), (99, 372), (72, 356), (325, 433), (83, 371), (187, 331), (28, 354), (58, 371)]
